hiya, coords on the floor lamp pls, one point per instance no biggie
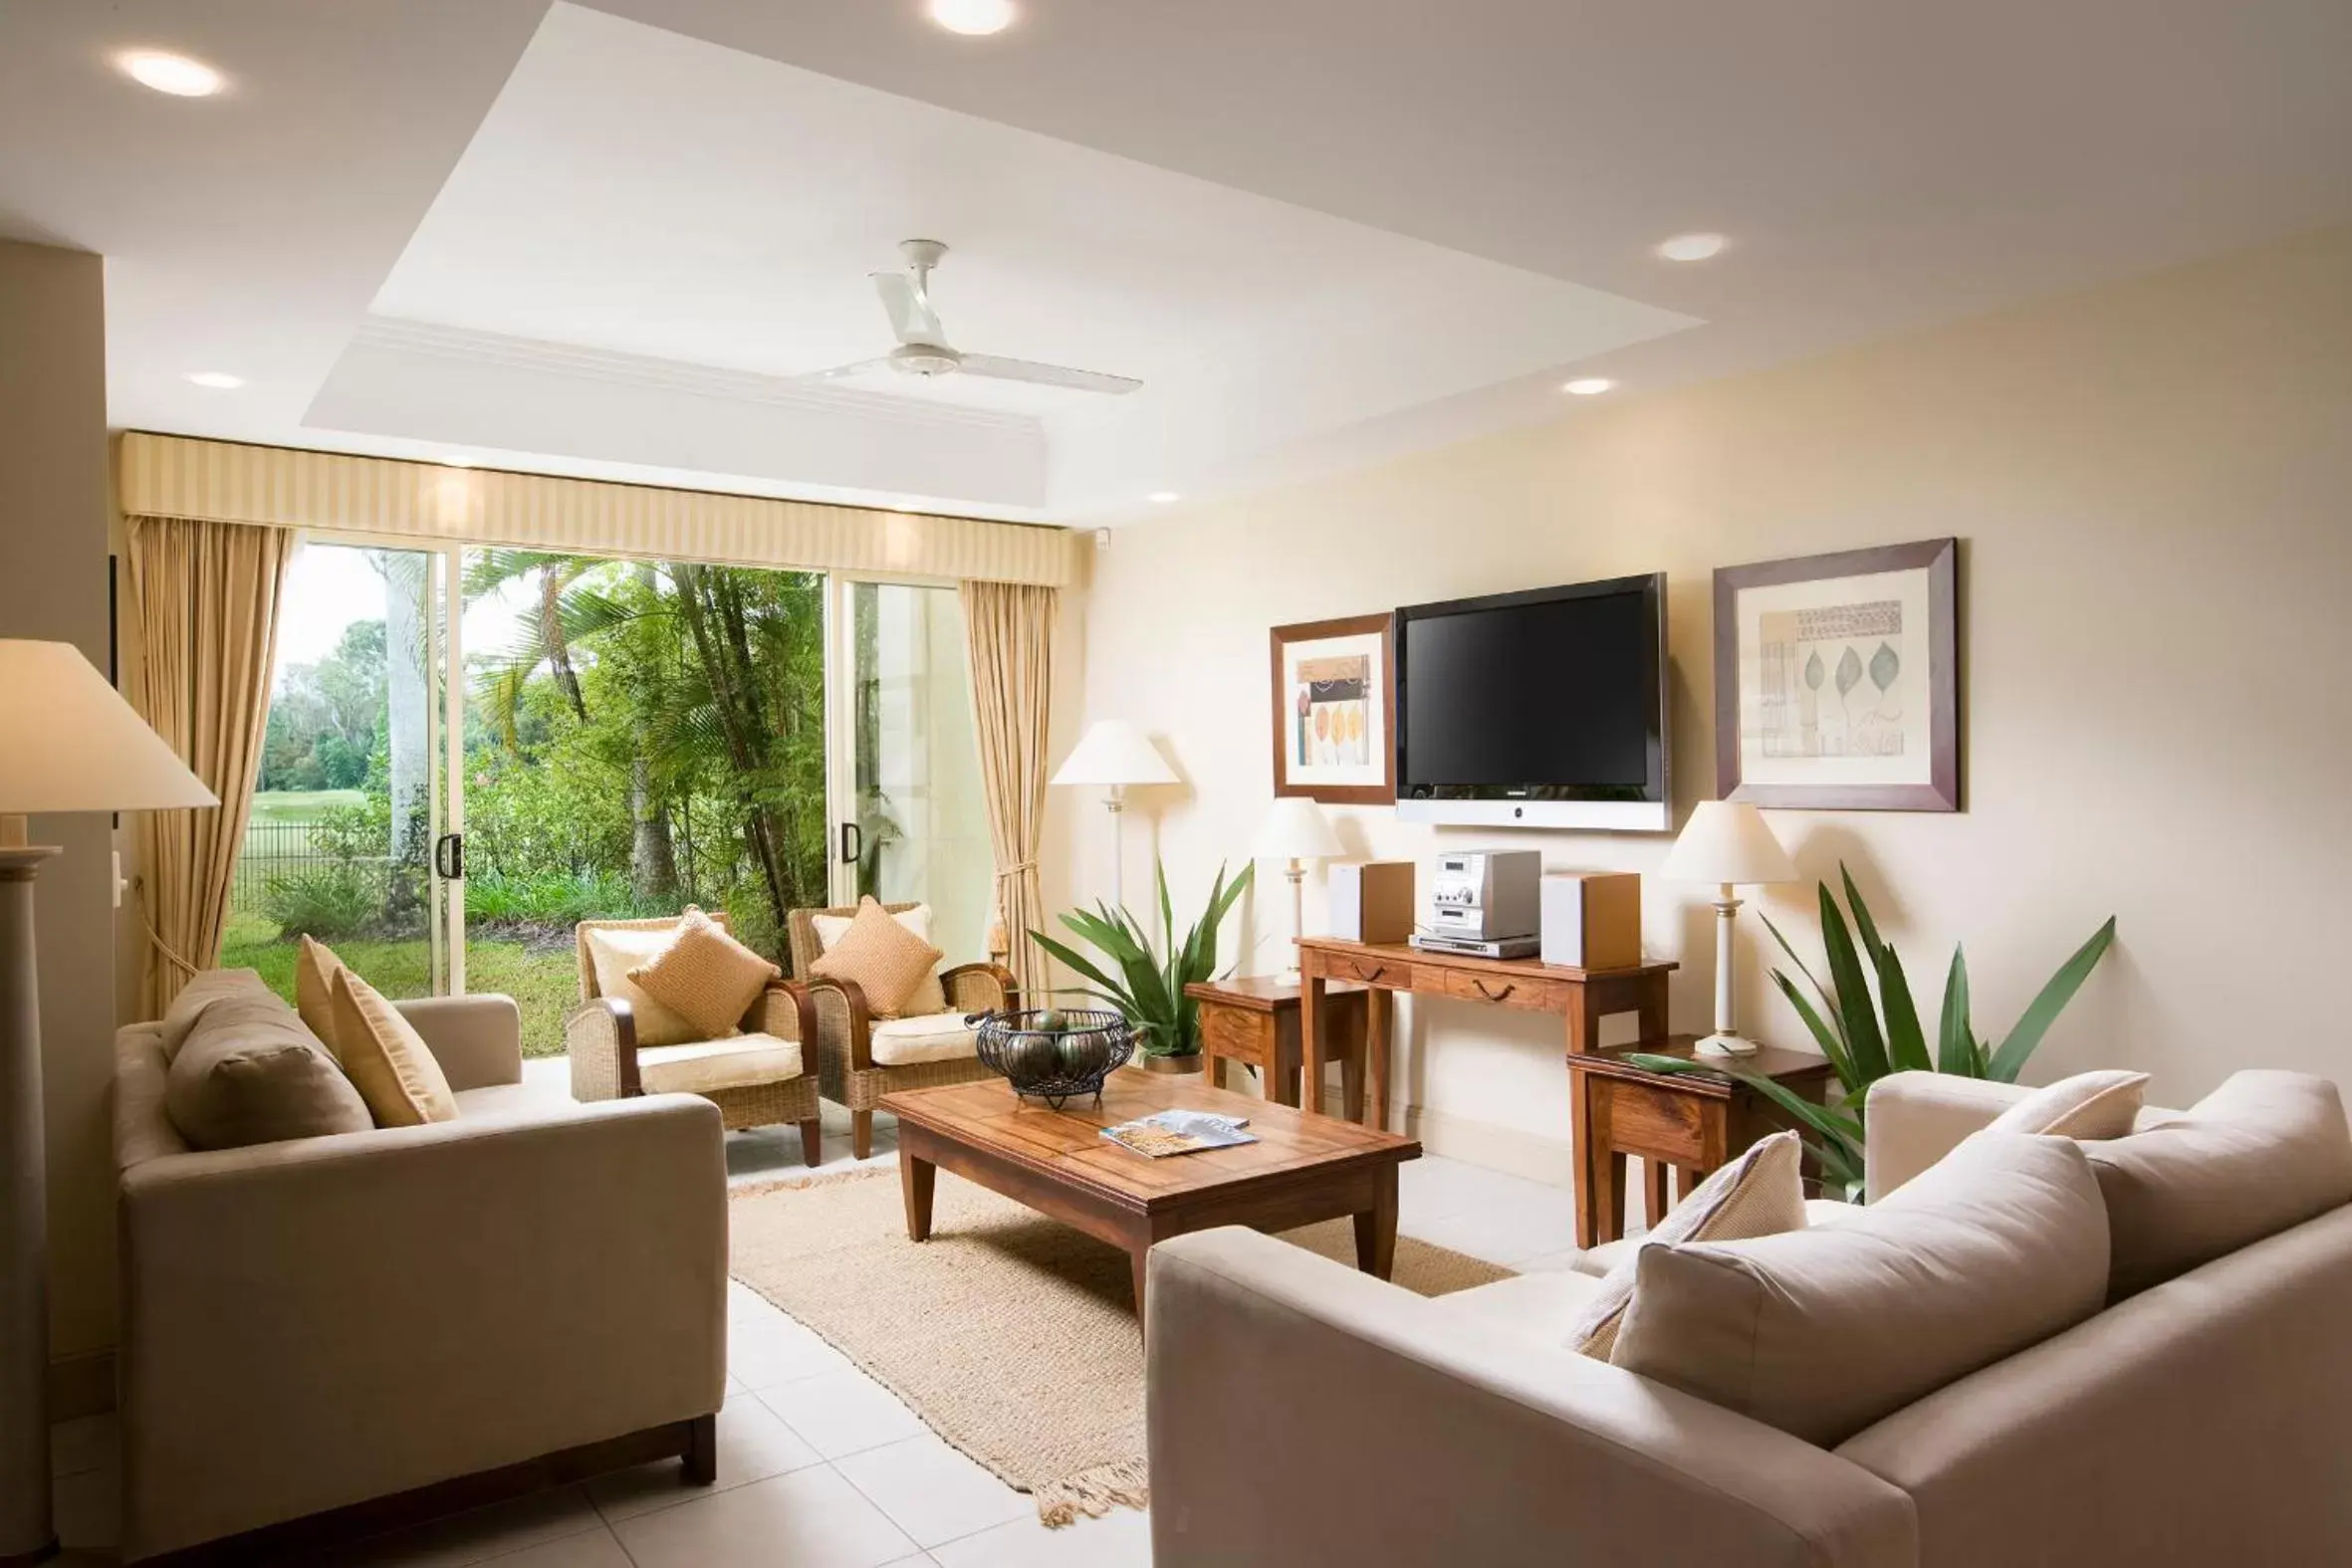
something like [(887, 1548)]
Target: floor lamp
[(1295, 832), (1725, 842), (68, 742), (1114, 754)]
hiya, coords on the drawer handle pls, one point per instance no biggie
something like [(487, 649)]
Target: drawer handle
[(1494, 996), (1374, 973)]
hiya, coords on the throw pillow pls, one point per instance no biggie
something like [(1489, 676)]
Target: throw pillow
[(705, 976), (612, 952), (930, 995), (1761, 1193), (1824, 1331), (885, 960), (388, 1061), (2087, 1105), (248, 1072), (2264, 1152), (315, 966), (205, 987)]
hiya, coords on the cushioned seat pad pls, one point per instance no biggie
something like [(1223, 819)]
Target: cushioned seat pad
[(934, 1037), (1538, 1305), (738, 1061)]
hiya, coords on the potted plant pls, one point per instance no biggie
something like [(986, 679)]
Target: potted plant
[(1148, 988), (1867, 1038)]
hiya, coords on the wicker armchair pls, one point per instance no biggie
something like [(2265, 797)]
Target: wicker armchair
[(846, 1072), (757, 1078)]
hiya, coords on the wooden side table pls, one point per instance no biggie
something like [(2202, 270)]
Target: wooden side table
[(1254, 1019), (1694, 1124)]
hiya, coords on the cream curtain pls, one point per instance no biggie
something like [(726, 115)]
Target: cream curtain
[(205, 595), (1009, 628)]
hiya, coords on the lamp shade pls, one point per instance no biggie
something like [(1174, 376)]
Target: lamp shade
[(70, 743), (1726, 841), (1297, 829), (1114, 751)]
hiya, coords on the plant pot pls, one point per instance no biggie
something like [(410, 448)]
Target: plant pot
[(1186, 1063)]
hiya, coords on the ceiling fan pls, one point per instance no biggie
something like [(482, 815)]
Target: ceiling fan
[(922, 343)]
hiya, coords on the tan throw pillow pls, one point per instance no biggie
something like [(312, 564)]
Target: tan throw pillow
[(205, 987), (390, 1063), (1761, 1193), (2262, 1153), (612, 952), (930, 995), (705, 976), (315, 966), (2088, 1105), (1824, 1331), (885, 960), (248, 1072)]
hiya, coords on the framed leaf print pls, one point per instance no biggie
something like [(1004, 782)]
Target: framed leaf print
[(1335, 711), (1837, 680)]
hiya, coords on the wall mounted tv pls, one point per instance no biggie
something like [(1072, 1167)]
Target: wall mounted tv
[(1541, 709)]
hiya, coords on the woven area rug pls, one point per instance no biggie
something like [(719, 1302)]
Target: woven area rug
[(1010, 1334)]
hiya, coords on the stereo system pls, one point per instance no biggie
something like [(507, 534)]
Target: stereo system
[(1493, 903), (1485, 901)]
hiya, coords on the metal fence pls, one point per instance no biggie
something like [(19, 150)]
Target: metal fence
[(273, 848)]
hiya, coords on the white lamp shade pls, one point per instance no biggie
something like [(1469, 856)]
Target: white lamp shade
[(1114, 751), (1726, 841), (70, 743), (1297, 829)]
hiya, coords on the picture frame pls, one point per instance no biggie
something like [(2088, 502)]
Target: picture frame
[(1333, 719), (1837, 680)]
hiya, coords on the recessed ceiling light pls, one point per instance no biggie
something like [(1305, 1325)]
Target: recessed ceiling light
[(1692, 246), (1588, 386), (176, 75), (218, 381), (975, 17), (1162, 498)]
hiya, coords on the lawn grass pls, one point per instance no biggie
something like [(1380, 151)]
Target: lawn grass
[(289, 805), (543, 980)]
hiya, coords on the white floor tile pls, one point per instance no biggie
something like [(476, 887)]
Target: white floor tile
[(931, 1491), (88, 1443), (754, 1444), (1498, 1240), (1549, 1262), (1119, 1540), (763, 1351), (842, 1413), (495, 1531), (589, 1549), (810, 1518)]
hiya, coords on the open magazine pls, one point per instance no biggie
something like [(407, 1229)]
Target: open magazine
[(1180, 1132)]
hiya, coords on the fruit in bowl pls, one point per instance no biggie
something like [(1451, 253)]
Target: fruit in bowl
[(1084, 1053)]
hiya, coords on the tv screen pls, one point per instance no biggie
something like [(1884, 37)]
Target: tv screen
[(1540, 709)]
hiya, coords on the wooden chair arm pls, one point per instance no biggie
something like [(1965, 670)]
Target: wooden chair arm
[(842, 1012), (600, 1038), (966, 979), (785, 1010)]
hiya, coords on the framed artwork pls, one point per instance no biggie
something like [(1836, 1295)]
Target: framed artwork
[(1334, 711), (1837, 681)]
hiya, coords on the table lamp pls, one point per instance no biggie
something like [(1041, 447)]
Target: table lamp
[(1296, 831), (1114, 754), (1725, 842), (68, 742)]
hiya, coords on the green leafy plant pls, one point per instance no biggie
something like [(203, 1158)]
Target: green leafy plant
[(1149, 987), (338, 899), (1867, 1036)]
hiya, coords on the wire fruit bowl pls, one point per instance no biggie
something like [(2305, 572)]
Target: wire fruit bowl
[(1053, 1065)]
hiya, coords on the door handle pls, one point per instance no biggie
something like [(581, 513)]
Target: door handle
[(450, 856), (853, 843)]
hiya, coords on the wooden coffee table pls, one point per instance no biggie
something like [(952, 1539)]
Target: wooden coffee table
[(1301, 1169)]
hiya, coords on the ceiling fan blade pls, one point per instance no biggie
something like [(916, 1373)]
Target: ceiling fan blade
[(840, 370), (911, 316), (1048, 374)]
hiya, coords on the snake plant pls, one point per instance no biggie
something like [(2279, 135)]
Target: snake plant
[(1148, 988)]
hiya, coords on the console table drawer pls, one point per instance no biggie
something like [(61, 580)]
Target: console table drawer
[(1387, 974), (1654, 1123), (1237, 1035), (1507, 991)]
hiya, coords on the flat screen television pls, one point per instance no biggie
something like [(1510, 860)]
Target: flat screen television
[(1541, 709)]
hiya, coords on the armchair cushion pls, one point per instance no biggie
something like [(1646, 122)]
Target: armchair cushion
[(938, 1037), (613, 951), (705, 976), (315, 968), (885, 960), (248, 1072), (388, 1059), (929, 994), (703, 1067)]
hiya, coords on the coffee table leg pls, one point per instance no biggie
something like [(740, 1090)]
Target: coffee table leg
[(915, 1178), (1376, 1230), (1138, 1258)]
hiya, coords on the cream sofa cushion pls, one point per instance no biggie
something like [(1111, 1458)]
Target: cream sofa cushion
[(929, 994), (939, 1037), (705, 976), (1599, 1260), (2265, 1151), (248, 1072), (612, 952), (1535, 1305), (314, 967), (886, 960), (2088, 1105), (738, 1061), (1761, 1193), (1821, 1332), (388, 1059), (205, 987)]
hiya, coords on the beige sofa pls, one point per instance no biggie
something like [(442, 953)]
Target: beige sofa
[(528, 1293), (1304, 1413)]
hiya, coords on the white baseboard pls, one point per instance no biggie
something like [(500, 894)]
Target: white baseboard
[(1498, 1148)]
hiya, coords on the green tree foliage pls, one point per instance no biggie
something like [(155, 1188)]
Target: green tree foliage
[(325, 719)]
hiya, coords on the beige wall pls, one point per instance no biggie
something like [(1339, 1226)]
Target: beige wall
[(2154, 486), (54, 521)]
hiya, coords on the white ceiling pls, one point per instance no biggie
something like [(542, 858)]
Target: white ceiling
[(606, 241)]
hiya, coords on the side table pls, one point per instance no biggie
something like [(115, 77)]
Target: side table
[(1254, 1019), (1694, 1124)]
